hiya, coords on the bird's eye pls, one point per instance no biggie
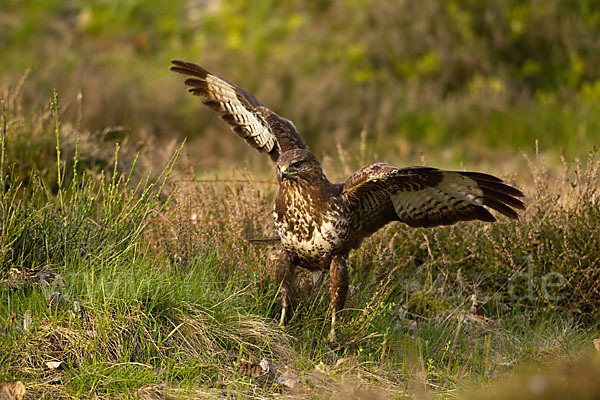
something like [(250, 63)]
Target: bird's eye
[(296, 164)]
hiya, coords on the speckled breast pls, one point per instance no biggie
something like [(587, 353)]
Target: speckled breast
[(311, 238)]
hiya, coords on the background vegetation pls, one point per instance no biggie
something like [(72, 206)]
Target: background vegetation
[(476, 79), (123, 262)]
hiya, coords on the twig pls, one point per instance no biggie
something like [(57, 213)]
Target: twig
[(268, 240), (226, 181)]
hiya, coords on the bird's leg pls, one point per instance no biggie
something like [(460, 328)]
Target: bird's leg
[(338, 288), (285, 277)]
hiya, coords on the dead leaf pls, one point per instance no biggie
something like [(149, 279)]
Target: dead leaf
[(268, 368), (14, 390), (597, 344), (265, 369), (288, 379), (53, 364), (250, 369)]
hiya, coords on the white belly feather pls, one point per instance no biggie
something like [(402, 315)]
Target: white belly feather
[(325, 238)]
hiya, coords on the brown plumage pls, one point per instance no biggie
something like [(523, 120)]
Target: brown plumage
[(319, 222)]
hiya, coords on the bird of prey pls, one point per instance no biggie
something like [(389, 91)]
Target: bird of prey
[(320, 222)]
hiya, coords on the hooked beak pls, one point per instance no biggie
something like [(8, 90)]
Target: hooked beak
[(283, 173)]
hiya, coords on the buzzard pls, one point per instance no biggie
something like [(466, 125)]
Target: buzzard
[(320, 222)]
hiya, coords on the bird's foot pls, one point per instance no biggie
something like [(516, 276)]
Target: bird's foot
[(282, 319), (331, 335)]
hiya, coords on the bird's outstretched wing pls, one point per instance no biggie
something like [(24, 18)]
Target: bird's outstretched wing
[(425, 197), (249, 118)]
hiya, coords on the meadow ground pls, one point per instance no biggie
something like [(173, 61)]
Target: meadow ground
[(139, 284)]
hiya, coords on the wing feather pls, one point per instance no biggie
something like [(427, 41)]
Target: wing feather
[(249, 118), (426, 197)]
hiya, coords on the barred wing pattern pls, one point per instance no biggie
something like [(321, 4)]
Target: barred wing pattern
[(249, 118), (425, 197), (320, 222)]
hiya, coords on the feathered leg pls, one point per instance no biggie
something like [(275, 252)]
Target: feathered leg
[(285, 277), (338, 288)]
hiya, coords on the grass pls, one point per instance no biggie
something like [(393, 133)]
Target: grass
[(143, 284)]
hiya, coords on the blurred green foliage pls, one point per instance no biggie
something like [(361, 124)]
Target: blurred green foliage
[(462, 74)]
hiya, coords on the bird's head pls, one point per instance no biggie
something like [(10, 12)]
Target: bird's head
[(298, 164)]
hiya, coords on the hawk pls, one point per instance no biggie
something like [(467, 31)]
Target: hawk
[(320, 222)]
